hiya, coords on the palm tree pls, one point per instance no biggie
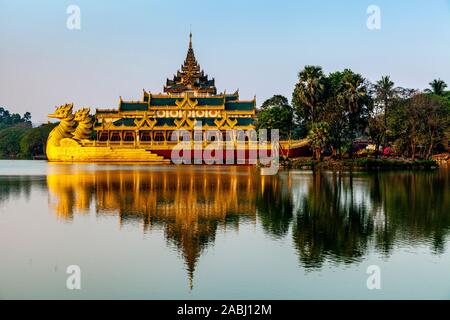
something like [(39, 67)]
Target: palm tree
[(356, 101), (437, 87), (355, 95), (385, 92), (308, 92)]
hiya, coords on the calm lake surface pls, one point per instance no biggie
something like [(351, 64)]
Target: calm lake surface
[(191, 232)]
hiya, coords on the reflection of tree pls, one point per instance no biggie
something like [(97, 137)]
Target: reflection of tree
[(330, 224), (275, 208), (416, 205), (17, 186), (338, 219)]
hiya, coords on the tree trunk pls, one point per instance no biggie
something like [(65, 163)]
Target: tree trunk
[(430, 151), (385, 123)]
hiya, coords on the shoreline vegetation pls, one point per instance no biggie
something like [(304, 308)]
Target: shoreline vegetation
[(349, 122), (19, 139), (361, 164), (352, 123)]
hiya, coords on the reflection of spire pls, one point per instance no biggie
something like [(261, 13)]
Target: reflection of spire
[(191, 262), (191, 239)]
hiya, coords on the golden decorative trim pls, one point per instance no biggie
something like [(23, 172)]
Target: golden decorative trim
[(186, 102)]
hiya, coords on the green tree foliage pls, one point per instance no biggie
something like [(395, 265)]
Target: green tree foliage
[(419, 124), (335, 113), (8, 119), (351, 107), (437, 86), (33, 142), (17, 137), (276, 113), (10, 141), (341, 100), (319, 136)]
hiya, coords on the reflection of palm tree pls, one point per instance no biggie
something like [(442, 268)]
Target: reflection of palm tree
[(275, 208), (330, 225)]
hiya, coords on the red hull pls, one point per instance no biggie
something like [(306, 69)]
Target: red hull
[(233, 156)]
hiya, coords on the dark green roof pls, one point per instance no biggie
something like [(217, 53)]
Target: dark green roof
[(233, 97), (133, 106), (129, 122), (159, 102), (245, 121), (210, 101), (245, 105)]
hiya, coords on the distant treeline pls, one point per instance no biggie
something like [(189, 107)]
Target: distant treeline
[(18, 139), (336, 111)]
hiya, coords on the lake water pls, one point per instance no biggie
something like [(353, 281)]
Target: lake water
[(209, 232)]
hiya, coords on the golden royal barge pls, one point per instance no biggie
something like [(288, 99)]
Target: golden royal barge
[(143, 131)]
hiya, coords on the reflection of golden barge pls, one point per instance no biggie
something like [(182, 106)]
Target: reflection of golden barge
[(142, 131), (191, 204)]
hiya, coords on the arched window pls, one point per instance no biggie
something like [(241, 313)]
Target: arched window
[(115, 136), (146, 136), (128, 136), (103, 136), (159, 136)]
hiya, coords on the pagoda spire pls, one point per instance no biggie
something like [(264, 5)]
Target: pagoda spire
[(190, 77)]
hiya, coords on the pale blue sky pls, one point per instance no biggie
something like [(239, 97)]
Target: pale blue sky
[(254, 45)]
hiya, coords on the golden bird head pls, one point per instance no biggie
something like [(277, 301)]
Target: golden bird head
[(82, 114), (62, 112)]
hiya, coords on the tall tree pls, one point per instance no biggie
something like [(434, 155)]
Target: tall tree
[(308, 94), (357, 103), (385, 94), (437, 87), (335, 113)]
